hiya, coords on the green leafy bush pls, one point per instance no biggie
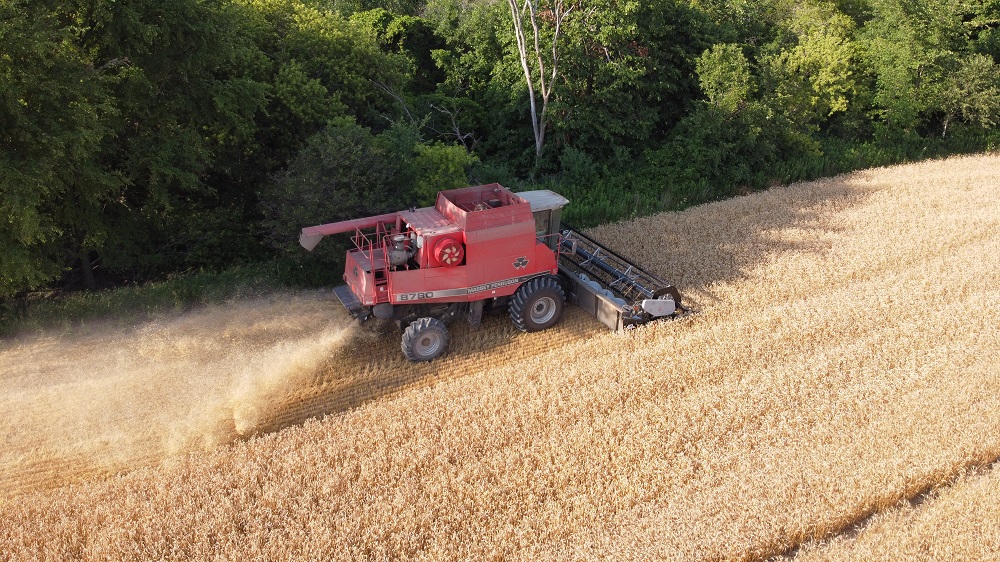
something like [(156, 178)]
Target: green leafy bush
[(437, 167)]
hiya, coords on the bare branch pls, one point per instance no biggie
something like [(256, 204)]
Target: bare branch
[(399, 99), (468, 140)]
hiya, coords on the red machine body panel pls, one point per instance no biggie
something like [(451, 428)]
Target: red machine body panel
[(499, 277), (475, 243), (359, 274)]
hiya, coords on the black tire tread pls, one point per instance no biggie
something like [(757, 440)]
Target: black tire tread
[(416, 329), (522, 298)]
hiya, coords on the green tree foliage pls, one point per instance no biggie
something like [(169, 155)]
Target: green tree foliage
[(349, 7), (724, 75), (412, 38), (972, 92), (984, 26), (713, 153), (927, 71), (347, 172), (138, 134), (629, 73), (176, 73), (811, 71), (343, 172), (324, 68), (53, 107), (481, 102), (437, 167), (906, 45), (140, 138)]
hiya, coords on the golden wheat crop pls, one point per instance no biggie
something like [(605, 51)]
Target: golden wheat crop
[(958, 522), (842, 358)]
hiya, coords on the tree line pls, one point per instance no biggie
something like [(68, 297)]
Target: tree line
[(141, 138)]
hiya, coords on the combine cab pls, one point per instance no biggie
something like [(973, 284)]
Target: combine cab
[(480, 247)]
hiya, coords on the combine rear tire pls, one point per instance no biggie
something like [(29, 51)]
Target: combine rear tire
[(537, 304), (425, 339)]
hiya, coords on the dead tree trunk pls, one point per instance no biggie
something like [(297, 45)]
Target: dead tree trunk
[(533, 61)]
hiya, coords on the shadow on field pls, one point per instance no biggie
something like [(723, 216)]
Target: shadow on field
[(720, 242)]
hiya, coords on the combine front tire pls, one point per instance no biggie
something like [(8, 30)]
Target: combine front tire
[(537, 304), (424, 339)]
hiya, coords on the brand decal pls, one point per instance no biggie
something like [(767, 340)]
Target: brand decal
[(494, 285), (521, 262)]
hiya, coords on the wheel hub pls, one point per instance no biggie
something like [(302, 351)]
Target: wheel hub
[(543, 310), (427, 344)]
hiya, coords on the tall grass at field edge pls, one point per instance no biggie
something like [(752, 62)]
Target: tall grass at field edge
[(38, 311), (604, 196)]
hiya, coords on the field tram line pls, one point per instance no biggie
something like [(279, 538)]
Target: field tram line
[(919, 496)]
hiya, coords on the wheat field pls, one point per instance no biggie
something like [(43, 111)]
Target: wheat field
[(833, 396), (954, 522)]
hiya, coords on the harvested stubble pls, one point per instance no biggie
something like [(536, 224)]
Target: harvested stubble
[(843, 358), (95, 403)]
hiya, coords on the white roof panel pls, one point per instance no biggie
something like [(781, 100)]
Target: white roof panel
[(543, 200)]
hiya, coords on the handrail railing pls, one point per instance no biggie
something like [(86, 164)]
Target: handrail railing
[(369, 241)]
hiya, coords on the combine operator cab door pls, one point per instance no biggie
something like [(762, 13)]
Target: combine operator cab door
[(546, 206)]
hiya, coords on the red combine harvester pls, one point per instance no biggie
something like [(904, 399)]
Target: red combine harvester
[(486, 246)]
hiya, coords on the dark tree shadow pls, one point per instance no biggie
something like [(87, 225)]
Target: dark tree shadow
[(720, 242)]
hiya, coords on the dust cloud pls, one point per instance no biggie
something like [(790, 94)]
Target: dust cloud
[(104, 400)]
